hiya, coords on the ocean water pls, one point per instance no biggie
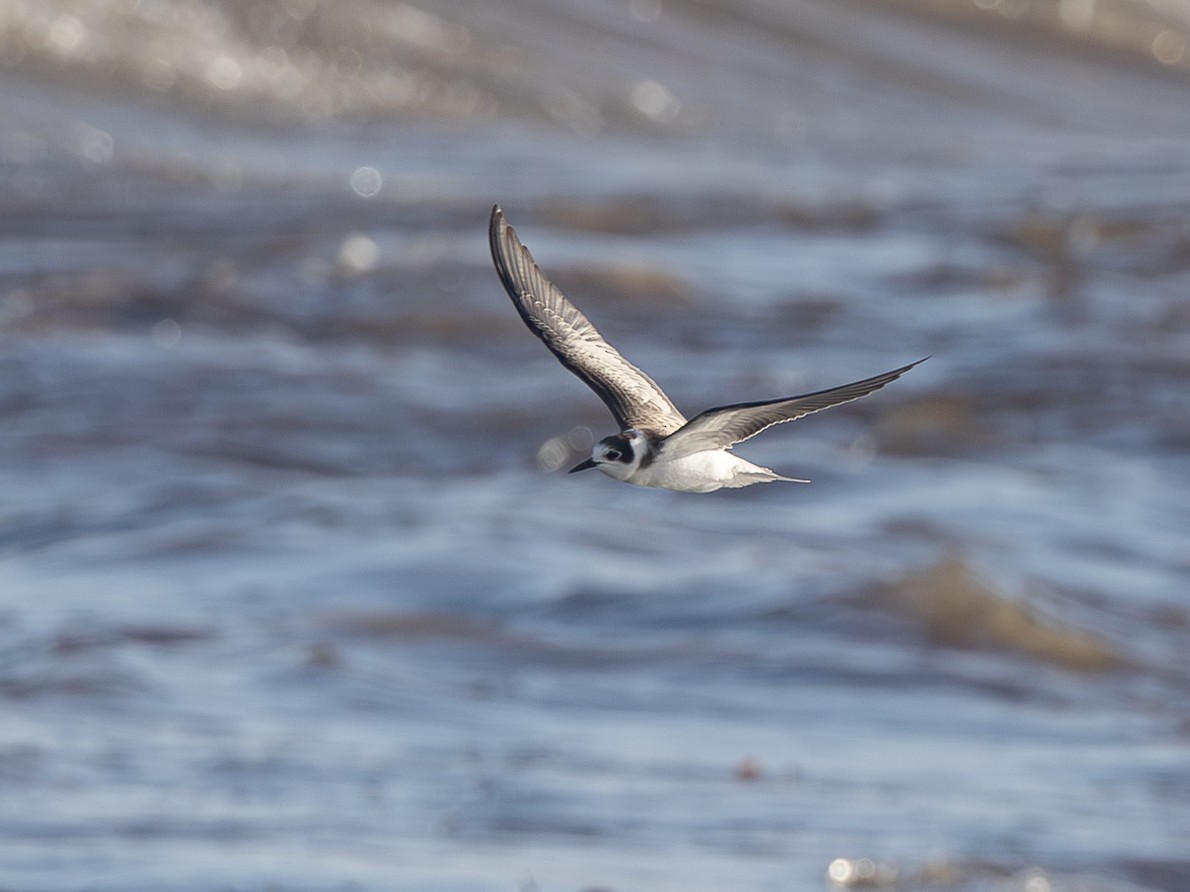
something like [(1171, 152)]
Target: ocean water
[(293, 596)]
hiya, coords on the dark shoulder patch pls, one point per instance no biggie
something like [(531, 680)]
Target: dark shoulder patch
[(652, 444)]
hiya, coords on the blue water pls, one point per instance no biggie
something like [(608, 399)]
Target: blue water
[(287, 600)]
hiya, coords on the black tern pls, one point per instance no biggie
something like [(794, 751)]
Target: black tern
[(656, 445)]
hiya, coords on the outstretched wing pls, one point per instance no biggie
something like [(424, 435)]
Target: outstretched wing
[(725, 426), (634, 399)]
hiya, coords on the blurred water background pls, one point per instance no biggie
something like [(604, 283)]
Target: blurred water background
[(289, 599)]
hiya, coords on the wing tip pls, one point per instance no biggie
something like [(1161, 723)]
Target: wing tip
[(903, 369), (503, 242), (496, 222), (888, 377)]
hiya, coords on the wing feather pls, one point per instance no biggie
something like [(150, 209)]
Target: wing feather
[(724, 426), (632, 396)]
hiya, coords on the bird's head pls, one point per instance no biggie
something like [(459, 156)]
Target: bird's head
[(618, 456)]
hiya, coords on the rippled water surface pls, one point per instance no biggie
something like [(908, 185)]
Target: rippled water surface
[(290, 599)]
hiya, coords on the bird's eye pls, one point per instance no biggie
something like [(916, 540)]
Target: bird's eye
[(612, 455)]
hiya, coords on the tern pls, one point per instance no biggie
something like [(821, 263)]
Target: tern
[(656, 445)]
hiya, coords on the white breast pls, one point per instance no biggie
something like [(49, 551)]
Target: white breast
[(701, 472)]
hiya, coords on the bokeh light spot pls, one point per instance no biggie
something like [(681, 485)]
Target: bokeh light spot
[(366, 182), (1169, 48), (655, 101), (358, 253), (224, 72)]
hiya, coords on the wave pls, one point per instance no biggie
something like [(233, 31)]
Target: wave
[(582, 65)]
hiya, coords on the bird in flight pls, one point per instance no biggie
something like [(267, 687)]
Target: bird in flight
[(656, 445)]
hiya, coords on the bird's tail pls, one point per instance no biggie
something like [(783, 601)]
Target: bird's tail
[(778, 477), (757, 474)]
